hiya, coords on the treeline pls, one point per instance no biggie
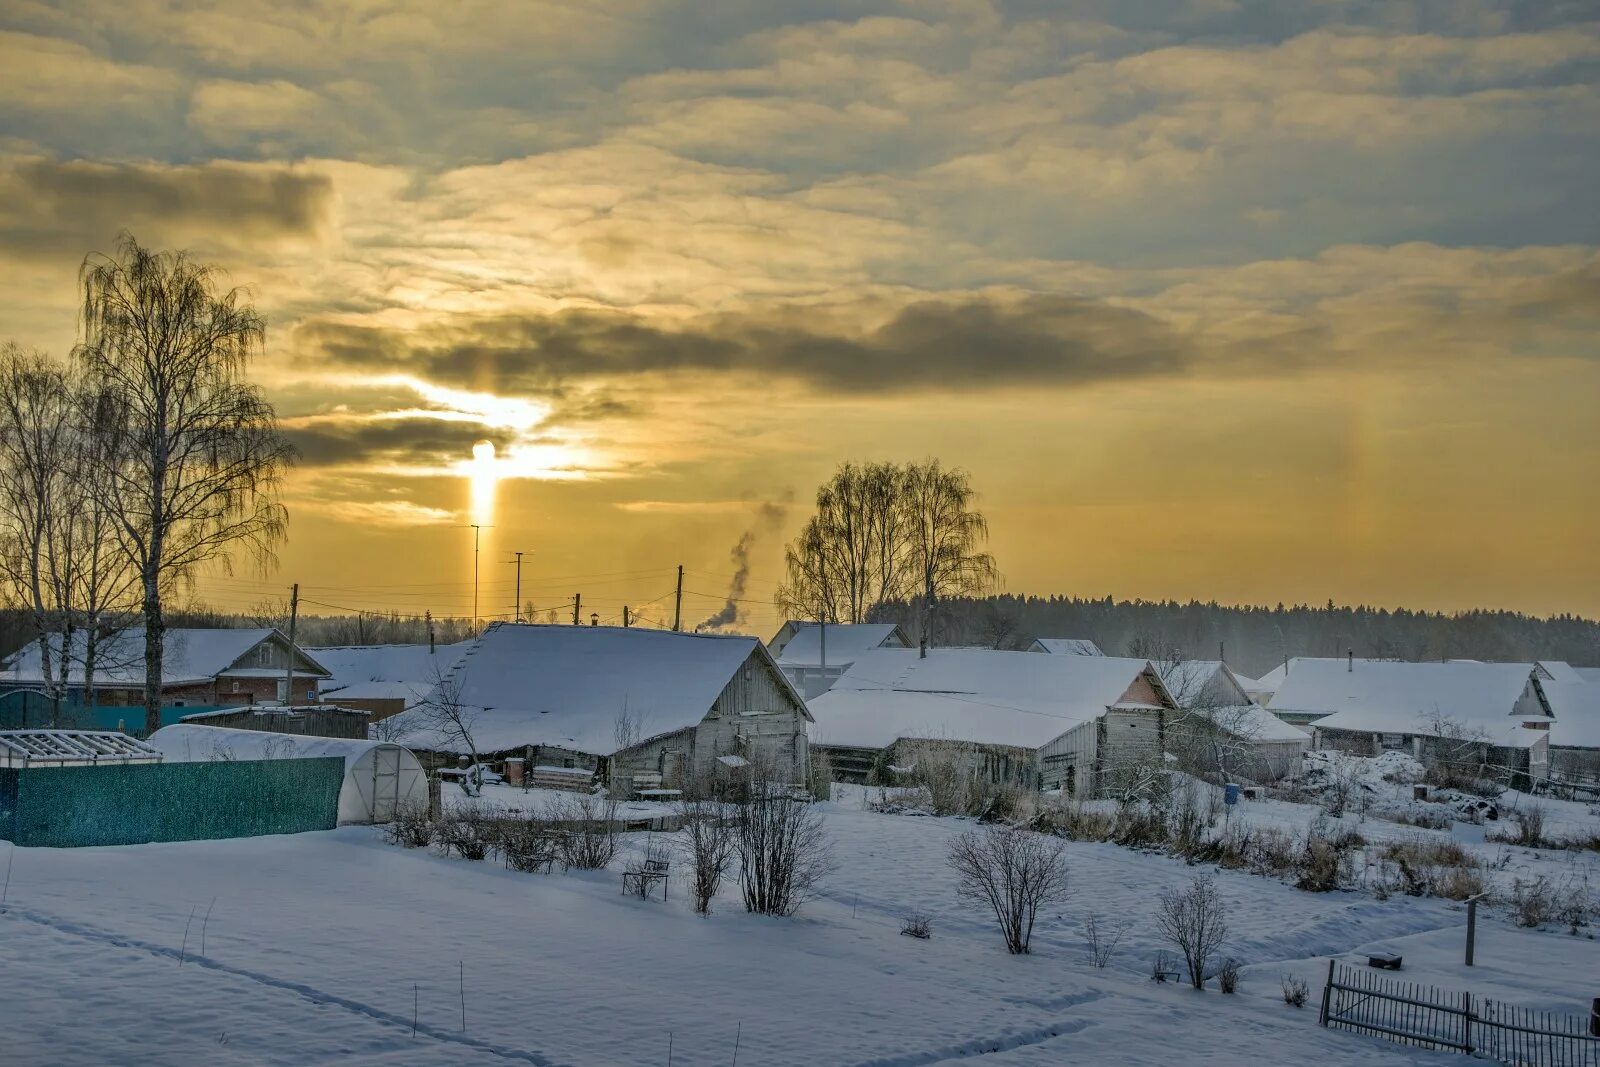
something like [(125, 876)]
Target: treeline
[(1256, 639)]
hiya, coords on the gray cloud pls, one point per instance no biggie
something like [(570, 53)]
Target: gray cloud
[(962, 342), (53, 208), (331, 442)]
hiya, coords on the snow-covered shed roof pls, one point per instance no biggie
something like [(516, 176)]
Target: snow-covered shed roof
[(1255, 723), (189, 656), (1576, 707), (1409, 698), (799, 644), (1066, 646), (352, 665), (969, 694), (1197, 681), (1587, 674), (1559, 672), (567, 685)]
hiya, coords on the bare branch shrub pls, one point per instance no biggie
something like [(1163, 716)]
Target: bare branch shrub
[(1295, 990), (784, 853), (411, 827), (1013, 872), (1195, 920), (708, 844), (1228, 976), (587, 838), (1103, 937), (1163, 966), (917, 925)]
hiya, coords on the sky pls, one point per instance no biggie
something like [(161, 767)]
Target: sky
[(1233, 300)]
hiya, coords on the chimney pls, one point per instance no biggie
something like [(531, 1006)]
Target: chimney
[(1352, 661)]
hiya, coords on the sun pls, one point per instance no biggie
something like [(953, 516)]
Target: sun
[(483, 475)]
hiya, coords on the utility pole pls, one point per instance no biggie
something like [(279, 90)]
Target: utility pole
[(577, 607), (627, 620), (429, 616), (677, 604), (517, 606), (288, 673), (476, 532)]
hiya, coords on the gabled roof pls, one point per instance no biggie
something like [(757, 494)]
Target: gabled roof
[(189, 656), (1066, 646), (413, 664), (1390, 697), (969, 694), (567, 685), (1587, 674), (1559, 672), (1576, 707), (1204, 681), (799, 644)]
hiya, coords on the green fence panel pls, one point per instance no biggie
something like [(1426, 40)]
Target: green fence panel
[(129, 804)]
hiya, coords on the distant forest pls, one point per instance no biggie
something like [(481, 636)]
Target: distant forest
[(1256, 639), (1253, 639)]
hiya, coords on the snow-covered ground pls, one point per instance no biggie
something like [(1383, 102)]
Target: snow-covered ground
[(319, 947)]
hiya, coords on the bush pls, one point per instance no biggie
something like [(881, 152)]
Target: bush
[(917, 925), (527, 845), (1103, 938), (1320, 866), (1163, 967), (783, 852), (708, 844), (464, 832), (1195, 920), (585, 830), (1434, 867), (1014, 872), (1228, 976), (1295, 990), (411, 827)]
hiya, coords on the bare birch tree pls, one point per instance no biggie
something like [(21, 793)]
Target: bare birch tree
[(194, 452), (1013, 872)]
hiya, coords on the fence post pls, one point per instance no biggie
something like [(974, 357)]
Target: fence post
[(1466, 1022), (1327, 991), (1594, 1018)]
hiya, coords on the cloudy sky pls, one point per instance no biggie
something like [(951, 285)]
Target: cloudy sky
[(1252, 301)]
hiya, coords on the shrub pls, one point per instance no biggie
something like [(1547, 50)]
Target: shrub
[(708, 844), (917, 925), (1295, 990), (783, 852), (1013, 872), (1228, 976), (1103, 938), (1433, 867), (1163, 966), (586, 831), (1320, 866), (1195, 920), (411, 827), (528, 845)]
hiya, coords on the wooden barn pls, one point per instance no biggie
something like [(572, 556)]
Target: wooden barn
[(307, 720), (1041, 721), (645, 708), (813, 655)]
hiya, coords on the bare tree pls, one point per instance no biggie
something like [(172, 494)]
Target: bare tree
[(194, 455), (1012, 871), (1195, 920), (1103, 937), (708, 843), (784, 852), (451, 723), (884, 532)]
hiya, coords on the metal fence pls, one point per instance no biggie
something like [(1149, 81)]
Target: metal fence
[(1422, 1015), (70, 807)]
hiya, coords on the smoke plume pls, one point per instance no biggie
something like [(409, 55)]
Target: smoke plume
[(769, 516)]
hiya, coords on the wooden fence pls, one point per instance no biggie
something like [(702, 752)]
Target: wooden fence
[(1422, 1015)]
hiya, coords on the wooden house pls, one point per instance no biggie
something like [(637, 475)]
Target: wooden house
[(813, 655), (645, 708)]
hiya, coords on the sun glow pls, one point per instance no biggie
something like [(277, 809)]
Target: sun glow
[(483, 477)]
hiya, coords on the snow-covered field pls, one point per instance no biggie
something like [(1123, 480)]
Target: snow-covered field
[(323, 947)]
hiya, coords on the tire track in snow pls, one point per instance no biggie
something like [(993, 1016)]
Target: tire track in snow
[(987, 1046), (307, 992)]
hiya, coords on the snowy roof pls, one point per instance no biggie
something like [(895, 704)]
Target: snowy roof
[(803, 648), (1587, 674), (188, 743), (189, 656), (1210, 681), (1576, 707), (1559, 672), (72, 746), (567, 685), (969, 694), (1390, 697), (410, 694), (1255, 723), (1066, 646), (353, 664)]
